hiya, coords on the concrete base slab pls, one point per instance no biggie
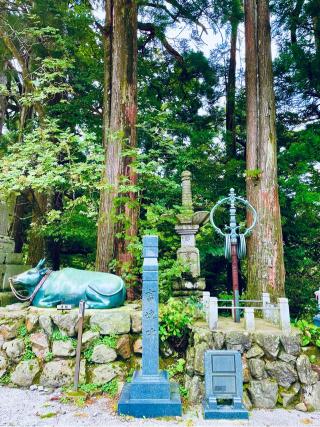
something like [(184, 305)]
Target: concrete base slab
[(224, 412)]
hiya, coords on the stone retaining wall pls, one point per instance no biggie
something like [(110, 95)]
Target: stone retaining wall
[(37, 346), (276, 372)]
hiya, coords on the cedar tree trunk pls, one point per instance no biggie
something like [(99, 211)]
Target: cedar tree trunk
[(231, 93), (119, 133), (266, 271)]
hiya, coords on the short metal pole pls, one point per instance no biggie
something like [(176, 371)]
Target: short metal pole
[(235, 282), (82, 305)]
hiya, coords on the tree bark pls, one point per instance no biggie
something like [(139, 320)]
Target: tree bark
[(18, 230), (36, 241), (266, 271), (231, 93), (3, 98), (119, 132)]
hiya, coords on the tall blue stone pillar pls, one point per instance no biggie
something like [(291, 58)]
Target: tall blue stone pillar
[(150, 394), (150, 298)]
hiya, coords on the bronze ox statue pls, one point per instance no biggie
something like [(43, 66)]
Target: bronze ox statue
[(46, 288)]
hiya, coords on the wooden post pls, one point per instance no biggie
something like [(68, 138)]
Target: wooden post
[(82, 306)]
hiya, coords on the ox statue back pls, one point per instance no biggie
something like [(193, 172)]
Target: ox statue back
[(46, 288)]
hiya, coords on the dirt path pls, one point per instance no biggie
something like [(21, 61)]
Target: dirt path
[(33, 408)]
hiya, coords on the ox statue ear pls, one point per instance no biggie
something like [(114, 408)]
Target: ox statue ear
[(43, 271), (40, 264)]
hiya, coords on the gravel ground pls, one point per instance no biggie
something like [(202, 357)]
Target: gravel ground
[(37, 409)]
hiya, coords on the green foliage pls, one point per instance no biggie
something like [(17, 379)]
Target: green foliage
[(176, 368), (57, 335), (184, 392), (181, 125), (28, 354), (253, 173), (174, 318), (311, 333), (49, 356), (22, 331), (5, 379), (110, 388), (89, 388), (109, 340)]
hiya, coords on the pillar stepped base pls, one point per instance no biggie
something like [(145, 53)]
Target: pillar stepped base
[(150, 397)]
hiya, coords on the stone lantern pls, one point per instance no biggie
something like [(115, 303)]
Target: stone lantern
[(188, 225), (11, 263)]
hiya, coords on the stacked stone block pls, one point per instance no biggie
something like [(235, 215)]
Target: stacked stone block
[(275, 370), (37, 346)]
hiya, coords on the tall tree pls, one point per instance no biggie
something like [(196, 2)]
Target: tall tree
[(3, 98), (119, 133), (234, 19), (266, 271)]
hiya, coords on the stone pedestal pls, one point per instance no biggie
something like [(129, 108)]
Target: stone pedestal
[(11, 263), (223, 382), (150, 394)]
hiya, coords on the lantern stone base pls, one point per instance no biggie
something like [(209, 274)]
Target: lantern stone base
[(150, 396), (187, 288)]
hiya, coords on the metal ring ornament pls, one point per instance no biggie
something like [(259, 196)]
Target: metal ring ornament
[(243, 201)]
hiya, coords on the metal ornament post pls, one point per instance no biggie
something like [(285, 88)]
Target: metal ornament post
[(235, 244)]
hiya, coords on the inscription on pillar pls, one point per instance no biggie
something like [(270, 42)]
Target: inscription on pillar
[(150, 318)]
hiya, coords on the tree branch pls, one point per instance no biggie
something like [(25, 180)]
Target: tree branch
[(156, 32)]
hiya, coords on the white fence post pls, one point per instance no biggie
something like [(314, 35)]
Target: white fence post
[(249, 319), (265, 303), (284, 315), (206, 303), (213, 313)]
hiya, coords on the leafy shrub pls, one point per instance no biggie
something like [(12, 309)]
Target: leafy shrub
[(177, 368), (22, 331), (58, 336), (175, 318), (311, 333), (5, 379), (110, 388), (89, 388), (48, 356)]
